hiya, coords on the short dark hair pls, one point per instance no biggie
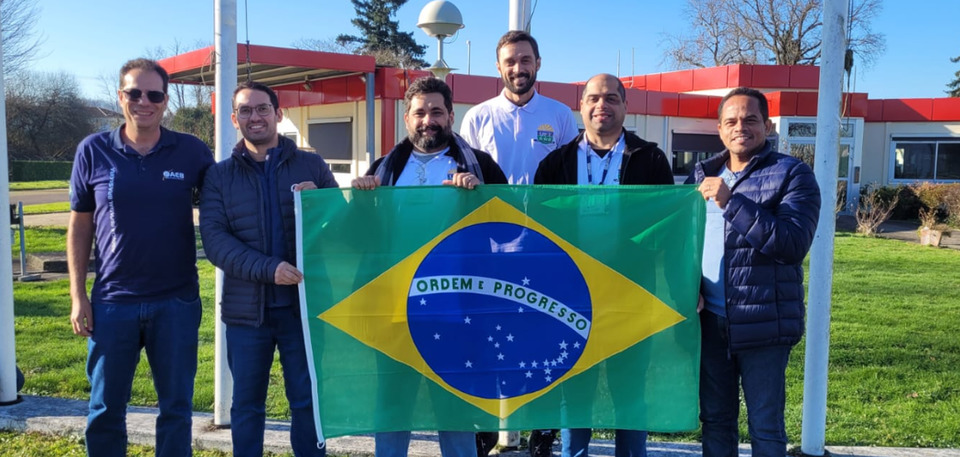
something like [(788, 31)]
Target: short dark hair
[(429, 85), (145, 65), (253, 85), (761, 100), (620, 88), (516, 36)]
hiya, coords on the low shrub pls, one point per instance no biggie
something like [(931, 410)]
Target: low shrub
[(38, 170)]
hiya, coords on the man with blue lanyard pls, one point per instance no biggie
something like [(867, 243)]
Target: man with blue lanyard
[(604, 154), (132, 189), (431, 155), (248, 229)]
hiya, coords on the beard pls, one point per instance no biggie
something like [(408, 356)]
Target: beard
[(440, 138), (531, 80)]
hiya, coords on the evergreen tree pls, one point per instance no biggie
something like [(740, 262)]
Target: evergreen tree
[(955, 84), (380, 36)]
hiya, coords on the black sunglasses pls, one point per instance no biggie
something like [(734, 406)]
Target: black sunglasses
[(155, 96)]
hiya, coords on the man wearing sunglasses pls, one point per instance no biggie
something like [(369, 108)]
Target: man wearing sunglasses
[(248, 229), (132, 189)]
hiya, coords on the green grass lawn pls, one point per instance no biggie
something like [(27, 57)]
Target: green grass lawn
[(39, 185), (46, 208), (40, 239), (13, 444), (894, 353)]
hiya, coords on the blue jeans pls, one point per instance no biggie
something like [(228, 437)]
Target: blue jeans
[(250, 357), (167, 329), (761, 372), (629, 443), (452, 444)]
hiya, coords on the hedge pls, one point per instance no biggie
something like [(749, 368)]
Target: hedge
[(36, 170)]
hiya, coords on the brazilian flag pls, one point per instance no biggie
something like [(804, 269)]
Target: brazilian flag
[(502, 307)]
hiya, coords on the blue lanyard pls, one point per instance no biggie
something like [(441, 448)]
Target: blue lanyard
[(617, 148), (606, 167)]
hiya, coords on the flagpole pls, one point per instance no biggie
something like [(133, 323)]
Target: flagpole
[(8, 353), (829, 114), (225, 80)]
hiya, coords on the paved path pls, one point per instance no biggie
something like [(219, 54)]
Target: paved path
[(68, 417), (34, 197)]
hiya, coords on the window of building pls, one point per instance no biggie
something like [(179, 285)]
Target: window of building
[(918, 158), (690, 148), (333, 140)]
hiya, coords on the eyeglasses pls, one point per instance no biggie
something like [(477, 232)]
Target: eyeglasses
[(263, 110), (155, 96)]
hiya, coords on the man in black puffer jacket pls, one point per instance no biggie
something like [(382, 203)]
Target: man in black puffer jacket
[(762, 212), (247, 225)]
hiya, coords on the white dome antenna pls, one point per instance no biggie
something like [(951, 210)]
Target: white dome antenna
[(440, 19)]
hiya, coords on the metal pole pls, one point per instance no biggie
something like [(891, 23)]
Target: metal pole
[(23, 242), (371, 122), (8, 352), (829, 103), (519, 20), (618, 63), (520, 15), (468, 57), (225, 45)]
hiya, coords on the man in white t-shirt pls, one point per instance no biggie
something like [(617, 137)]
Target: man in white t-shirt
[(519, 126)]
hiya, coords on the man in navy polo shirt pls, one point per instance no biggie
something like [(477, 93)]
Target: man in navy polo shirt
[(132, 190)]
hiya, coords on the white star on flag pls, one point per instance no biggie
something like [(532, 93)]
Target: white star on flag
[(423, 301), (469, 364), (510, 337), (526, 281), (466, 320)]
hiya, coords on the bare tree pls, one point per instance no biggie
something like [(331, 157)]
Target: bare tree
[(18, 19), (782, 32), (46, 117), (327, 45)]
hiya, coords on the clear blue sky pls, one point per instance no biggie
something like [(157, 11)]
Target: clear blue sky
[(577, 39)]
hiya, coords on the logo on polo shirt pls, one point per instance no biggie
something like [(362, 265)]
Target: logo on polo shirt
[(170, 174), (545, 134)]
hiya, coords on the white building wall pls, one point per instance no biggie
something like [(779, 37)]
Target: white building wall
[(878, 152)]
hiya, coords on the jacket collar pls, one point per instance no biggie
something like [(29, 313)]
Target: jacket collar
[(285, 146), (713, 165), (633, 144)]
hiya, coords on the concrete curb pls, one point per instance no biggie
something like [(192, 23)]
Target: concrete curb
[(58, 416)]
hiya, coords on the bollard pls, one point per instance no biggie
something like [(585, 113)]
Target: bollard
[(24, 277)]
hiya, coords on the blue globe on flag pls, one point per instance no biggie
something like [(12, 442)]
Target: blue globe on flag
[(489, 319)]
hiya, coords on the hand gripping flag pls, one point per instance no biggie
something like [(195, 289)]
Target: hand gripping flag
[(503, 307)]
